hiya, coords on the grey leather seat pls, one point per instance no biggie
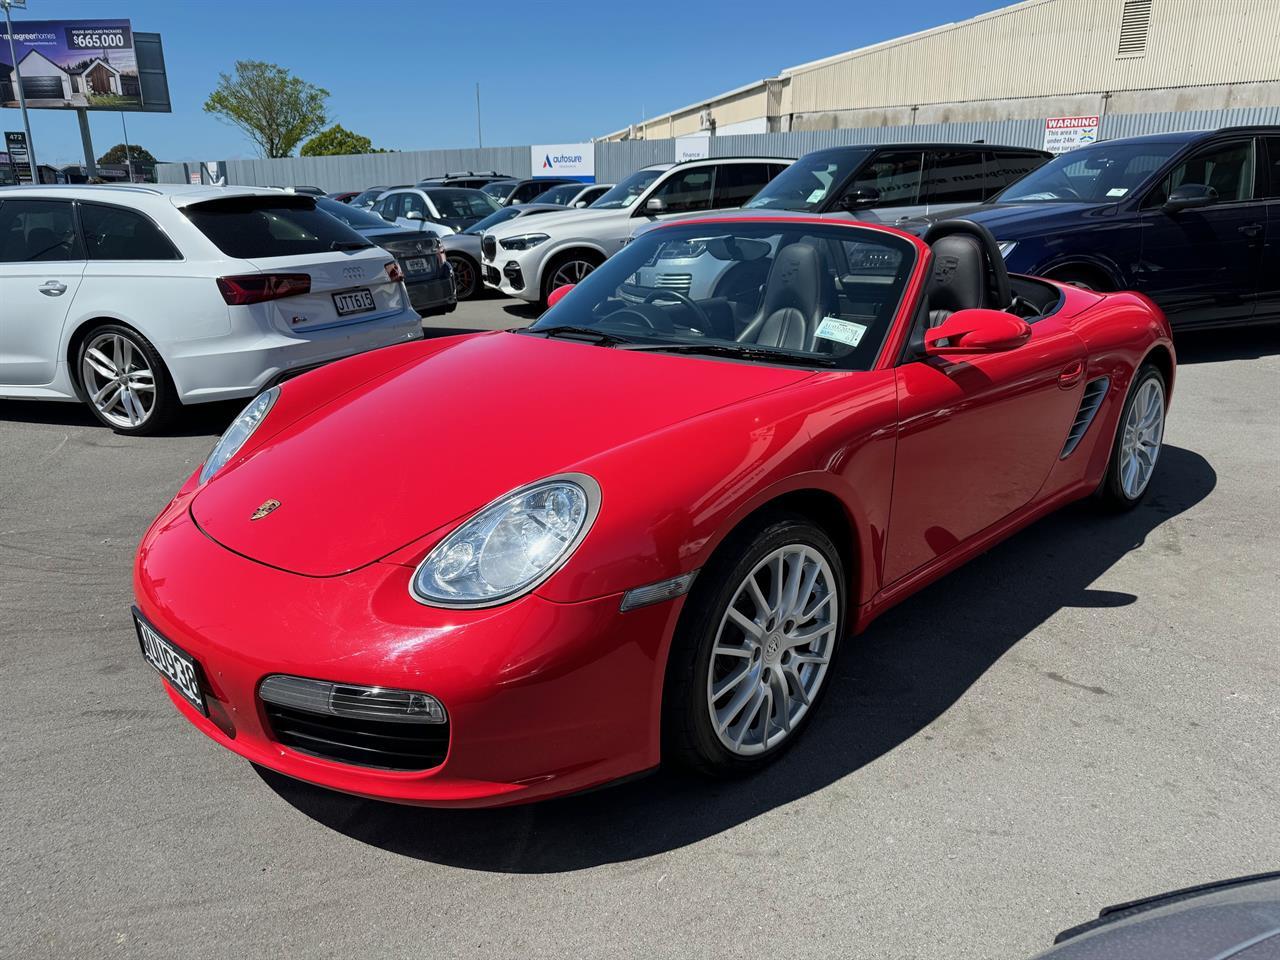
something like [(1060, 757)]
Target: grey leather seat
[(791, 308)]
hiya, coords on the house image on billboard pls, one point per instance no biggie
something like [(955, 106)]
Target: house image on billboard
[(43, 79)]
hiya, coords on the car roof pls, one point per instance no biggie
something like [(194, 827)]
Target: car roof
[(923, 145), (179, 194)]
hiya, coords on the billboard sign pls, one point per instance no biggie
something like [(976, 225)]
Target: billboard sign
[(692, 148), (71, 64), (15, 143), (573, 161), (1064, 134)]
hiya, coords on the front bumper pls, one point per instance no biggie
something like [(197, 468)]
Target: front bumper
[(512, 275), (543, 698)]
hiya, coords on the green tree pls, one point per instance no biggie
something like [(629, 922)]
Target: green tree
[(272, 107), (336, 140), (136, 153)]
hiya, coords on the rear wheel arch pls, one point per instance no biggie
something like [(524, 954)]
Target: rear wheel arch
[(1162, 359), (84, 330)]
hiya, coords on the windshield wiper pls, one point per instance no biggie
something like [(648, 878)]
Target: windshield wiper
[(572, 332), (739, 352)]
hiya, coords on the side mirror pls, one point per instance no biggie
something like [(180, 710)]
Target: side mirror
[(414, 215), (558, 294), (655, 205), (860, 198), (976, 331), (1189, 196), (580, 204)]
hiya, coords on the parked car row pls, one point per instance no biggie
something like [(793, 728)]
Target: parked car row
[(1190, 219)]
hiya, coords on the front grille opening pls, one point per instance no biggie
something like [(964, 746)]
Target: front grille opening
[(1090, 401), (386, 745)]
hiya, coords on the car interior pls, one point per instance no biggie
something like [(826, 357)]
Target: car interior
[(827, 292)]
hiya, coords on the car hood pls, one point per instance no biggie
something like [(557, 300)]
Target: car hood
[(538, 224), (426, 443), (1013, 221)]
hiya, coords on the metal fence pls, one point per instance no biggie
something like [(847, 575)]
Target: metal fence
[(616, 160)]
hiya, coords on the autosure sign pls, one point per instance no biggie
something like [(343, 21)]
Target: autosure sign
[(63, 64), (1063, 134), (575, 161)]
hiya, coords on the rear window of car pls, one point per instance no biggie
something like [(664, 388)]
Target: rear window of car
[(250, 228)]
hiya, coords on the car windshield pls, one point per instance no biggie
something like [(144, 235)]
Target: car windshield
[(560, 195), (459, 203), (782, 292), (353, 217), (628, 191), (501, 215), (807, 184), (367, 197), (1103, 173), (499, 189)]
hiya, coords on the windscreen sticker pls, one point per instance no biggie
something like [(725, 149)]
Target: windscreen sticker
[(1117, 191), (842, 331), (817, 195)]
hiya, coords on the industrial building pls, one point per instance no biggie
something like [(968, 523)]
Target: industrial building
[(1030, 60)]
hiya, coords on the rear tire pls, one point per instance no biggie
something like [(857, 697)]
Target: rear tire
[(1139, 437), (124, 381), (749, 664)]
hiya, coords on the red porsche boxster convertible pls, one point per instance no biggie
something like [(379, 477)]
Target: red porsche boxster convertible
[(492, 568)]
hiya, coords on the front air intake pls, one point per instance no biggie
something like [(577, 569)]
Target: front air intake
[(1094, 391)]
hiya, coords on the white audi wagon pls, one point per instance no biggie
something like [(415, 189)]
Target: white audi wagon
[(139, 299)]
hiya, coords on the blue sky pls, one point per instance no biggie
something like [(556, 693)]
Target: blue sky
[(404, 71)]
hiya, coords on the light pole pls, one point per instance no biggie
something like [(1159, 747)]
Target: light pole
[(17, 79)]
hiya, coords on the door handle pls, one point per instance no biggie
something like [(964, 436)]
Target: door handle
[(52, 288), (1251, 230), (1071, 374)]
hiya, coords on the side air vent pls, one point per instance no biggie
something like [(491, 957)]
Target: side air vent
[(1135, 21), (1094, 391)]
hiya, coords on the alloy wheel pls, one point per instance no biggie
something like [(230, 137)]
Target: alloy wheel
[(118, 380), (464, 278), (571, 271), (772, 649), (1140, 441)]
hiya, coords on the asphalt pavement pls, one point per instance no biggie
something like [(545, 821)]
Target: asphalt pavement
[(1087, 714)]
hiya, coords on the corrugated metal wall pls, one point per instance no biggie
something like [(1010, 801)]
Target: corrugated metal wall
[(616, 160), (359, 172)]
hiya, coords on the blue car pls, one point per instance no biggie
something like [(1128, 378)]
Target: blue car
[(1191, 219)]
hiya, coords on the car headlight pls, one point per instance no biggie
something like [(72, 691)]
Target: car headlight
[(510, 546), (238, 433), (526, 241), (1006, 247)]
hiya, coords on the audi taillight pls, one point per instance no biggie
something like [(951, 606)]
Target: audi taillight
[(260, 287), (394, 273)]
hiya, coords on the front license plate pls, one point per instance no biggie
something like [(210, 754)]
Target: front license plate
[(416, 265), (173, 663), (353, 301)]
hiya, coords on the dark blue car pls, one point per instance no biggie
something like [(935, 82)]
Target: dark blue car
[(1190, 219)]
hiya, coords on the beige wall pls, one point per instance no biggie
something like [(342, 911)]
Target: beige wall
[(1043, 48)]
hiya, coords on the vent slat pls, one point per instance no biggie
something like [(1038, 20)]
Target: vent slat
[(1135, 23), (1090, 402)]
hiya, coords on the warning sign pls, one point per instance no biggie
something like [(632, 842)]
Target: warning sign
[(1063, 134)]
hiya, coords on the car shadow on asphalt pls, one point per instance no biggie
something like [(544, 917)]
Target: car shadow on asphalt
[(1233, 343), (200, 420), (890, 684)]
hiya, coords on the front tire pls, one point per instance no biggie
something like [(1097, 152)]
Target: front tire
[(466, 277), (124, 381), (752, 654), (570, 268), (1139, 437)]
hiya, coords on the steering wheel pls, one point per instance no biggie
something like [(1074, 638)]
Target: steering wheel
[(704, 322), (663, 324), (1066, 193)]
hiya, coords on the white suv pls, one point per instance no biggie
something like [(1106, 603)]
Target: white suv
[(137, 299), (529, 260)]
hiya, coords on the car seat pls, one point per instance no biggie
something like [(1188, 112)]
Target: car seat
[(792, 306)]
